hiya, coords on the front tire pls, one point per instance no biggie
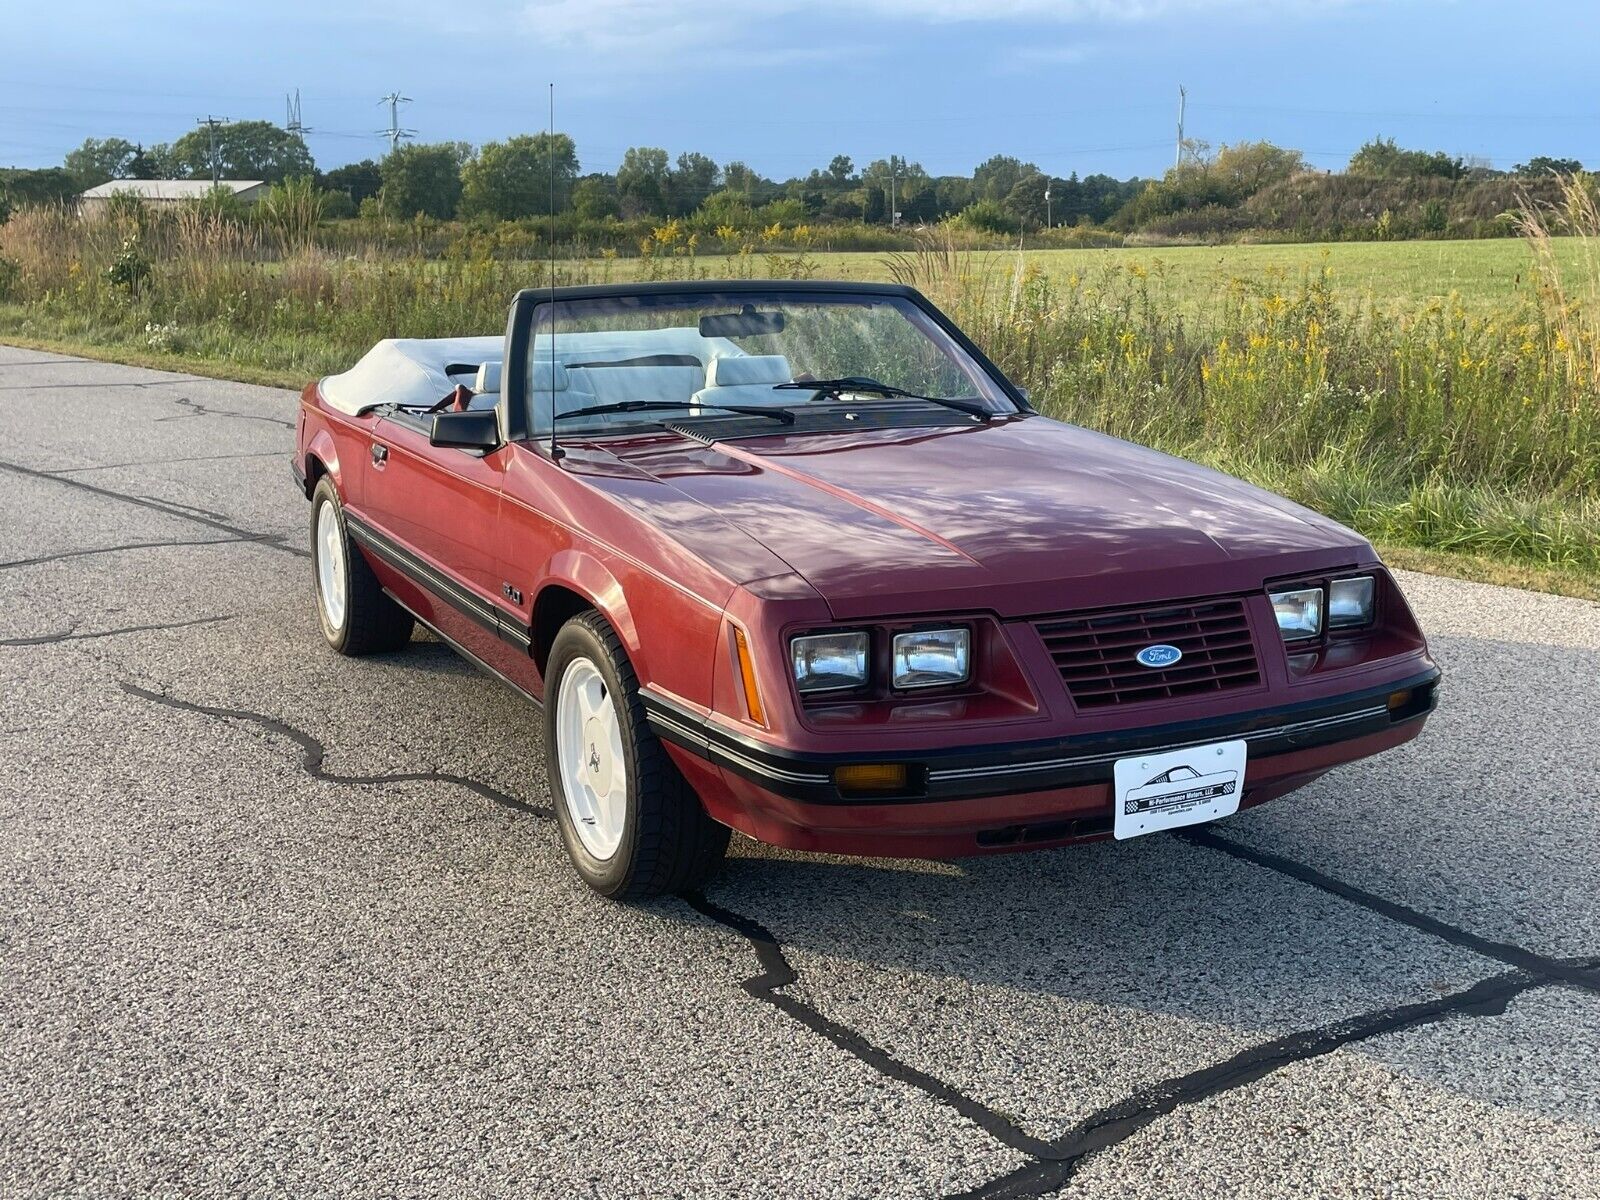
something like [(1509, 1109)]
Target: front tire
[(357, 616), (631, 824)]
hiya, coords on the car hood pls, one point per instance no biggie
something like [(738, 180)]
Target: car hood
[(1024, 515)]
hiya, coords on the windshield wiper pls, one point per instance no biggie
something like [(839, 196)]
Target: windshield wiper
[(782, 415), (859, 383)]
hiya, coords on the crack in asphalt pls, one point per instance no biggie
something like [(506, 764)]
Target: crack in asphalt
[(71, 634), (169, 508), (39, 387), (1055, 1160), (313, 753), (65, 554), (1505, 952), (164, 462), (199, 409), (1118, 1122), (776, 973)]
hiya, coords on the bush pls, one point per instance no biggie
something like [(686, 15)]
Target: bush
[(986, 216), (131, 268)]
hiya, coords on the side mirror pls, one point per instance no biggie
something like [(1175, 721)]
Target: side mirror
[(474, 429)]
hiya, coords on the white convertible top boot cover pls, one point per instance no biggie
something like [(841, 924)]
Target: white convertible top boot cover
[(407, 371)]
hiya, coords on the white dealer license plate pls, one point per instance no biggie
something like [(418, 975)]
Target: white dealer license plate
[(1177, 788)]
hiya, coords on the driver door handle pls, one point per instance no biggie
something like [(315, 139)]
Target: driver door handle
[(380, 454)]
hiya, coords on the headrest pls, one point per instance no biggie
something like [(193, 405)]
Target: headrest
[(540, 375), (743, 369), (488, 377)]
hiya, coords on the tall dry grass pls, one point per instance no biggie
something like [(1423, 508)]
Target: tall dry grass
[(1443, 427)]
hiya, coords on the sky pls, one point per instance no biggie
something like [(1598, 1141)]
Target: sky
[(784, 85)]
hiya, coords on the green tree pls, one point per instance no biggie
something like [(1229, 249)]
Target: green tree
[(422, 178), (994, 178), (48, 185), (1026, 202), (740, 178), (690, 182), (155, 163), (841, 170), (897, 179), (1382, 159), (1540, 165), (358, 180), (100, 160), (875, 206), (1244, 168), (512, 179), (952, 193), (642, 181), (594, 198), (245, 150)]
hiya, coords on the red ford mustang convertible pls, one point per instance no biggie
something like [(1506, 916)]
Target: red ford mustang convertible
[(796, 559)]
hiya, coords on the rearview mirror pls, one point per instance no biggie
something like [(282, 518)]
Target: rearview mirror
[(747, 322), (475, 429)]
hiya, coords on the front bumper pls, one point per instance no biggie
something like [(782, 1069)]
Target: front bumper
[(976, 798)]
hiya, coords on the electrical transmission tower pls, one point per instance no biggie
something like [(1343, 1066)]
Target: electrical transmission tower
[(212, 124), (294, 124), (394, 133)]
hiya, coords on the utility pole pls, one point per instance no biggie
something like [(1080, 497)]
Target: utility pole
[(1183, 99), (1048, 224), (894, 166), (212, 124), (394, 133)]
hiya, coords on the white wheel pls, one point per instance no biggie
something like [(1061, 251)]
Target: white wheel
[(356, 615), (592, 769), (331, 566)]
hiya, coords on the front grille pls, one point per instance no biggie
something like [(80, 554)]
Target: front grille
[(1095, 652)]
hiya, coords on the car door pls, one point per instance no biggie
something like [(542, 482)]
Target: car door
[(435, 513)]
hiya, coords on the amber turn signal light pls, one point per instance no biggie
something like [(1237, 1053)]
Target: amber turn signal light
[(872, 777), (747, 672), (1398, 700)]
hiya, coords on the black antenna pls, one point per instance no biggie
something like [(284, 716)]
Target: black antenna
[(550, 154)]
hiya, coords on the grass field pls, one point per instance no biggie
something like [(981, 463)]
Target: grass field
[(1396, 278), (1439, 396)]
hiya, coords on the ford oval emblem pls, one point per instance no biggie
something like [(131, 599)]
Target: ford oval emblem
[(1159, 656)]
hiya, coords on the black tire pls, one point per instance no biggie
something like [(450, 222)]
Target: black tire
[(373, 623), (669, 845)]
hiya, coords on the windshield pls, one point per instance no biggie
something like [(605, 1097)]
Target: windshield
[(669, 357)]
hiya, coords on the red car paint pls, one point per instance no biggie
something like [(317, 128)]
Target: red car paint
[(677, 542)]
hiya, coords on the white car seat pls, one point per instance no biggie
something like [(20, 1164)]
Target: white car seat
[(746, 379)]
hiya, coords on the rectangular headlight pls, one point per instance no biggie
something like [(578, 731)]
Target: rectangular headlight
[(1350, 602), (825, 662), (1299, 613), (932, 657)]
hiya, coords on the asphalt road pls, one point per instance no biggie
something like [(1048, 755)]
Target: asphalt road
[(275, 922)]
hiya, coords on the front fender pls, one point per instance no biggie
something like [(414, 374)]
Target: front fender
[(670, 635)]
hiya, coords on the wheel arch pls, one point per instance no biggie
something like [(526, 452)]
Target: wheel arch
[(321, 457), (575, 583)]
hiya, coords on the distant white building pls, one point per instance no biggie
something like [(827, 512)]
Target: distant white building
[(168, 191)]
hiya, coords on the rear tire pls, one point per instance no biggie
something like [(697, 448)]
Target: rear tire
[(631, 824), (357, 616)]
